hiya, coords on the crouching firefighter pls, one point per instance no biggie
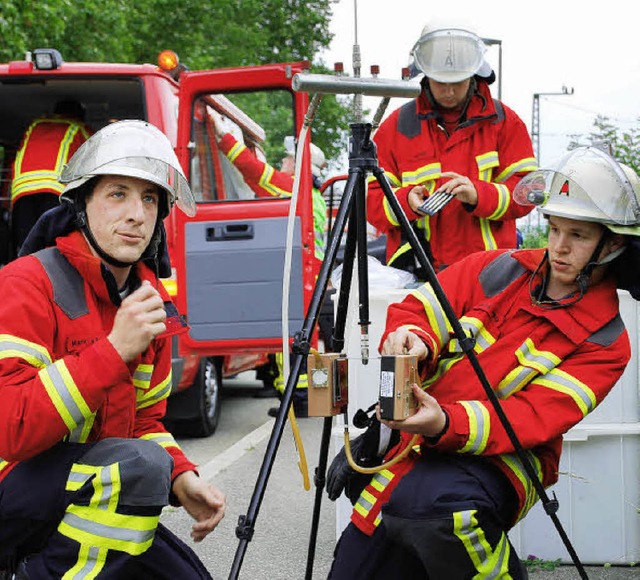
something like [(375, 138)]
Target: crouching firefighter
[(85, 370), (548, 334)]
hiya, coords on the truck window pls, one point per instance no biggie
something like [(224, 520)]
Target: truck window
[(239, 146)]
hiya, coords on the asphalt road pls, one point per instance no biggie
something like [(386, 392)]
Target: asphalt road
[(233, 457)]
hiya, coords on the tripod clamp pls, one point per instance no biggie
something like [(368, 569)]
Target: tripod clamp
[(301, 344)]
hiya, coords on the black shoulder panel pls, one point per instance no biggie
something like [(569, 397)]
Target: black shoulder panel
[(499, 273), (68, 285)]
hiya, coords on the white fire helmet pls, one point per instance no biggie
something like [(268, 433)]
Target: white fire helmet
[(586, 184), (318, 159), (135, 149), (450, 52)]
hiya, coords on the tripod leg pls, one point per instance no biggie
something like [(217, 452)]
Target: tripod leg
[(246, 523)]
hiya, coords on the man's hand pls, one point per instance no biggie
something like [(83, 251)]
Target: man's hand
[(429, 420), (138, 321), (460, 186), (403, 341), (416, 197), (204, 502)]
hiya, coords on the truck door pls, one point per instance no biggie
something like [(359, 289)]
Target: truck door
[(229, 258)]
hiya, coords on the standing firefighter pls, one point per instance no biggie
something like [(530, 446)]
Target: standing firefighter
[(85, 370), (454, 138), (48, 144), (549, 337)]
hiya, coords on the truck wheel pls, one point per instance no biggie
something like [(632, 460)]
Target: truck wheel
[(199, 405)]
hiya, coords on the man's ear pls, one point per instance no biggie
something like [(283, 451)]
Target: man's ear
[(617, 241)]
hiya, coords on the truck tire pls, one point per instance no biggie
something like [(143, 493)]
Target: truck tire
[(195, 411)]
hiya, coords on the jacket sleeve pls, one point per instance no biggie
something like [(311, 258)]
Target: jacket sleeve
[(151, 406), (515, 160), (379, 212), (544, 409), (43, 400), (261, 177)]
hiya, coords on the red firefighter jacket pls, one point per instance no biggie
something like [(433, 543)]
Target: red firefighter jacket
[(61, 378), (548, 367), (47, 145), (492, 148)]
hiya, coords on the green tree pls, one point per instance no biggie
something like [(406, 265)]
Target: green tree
[(206, 35), (623, 145)]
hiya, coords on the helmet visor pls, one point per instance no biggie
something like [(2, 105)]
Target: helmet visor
[(586, 185), (449, 56), (134, 149)]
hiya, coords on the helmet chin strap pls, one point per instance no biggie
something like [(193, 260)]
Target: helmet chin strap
[(583, 277)]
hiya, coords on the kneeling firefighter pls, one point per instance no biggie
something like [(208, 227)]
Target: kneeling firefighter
[(549, 337), (85, 370)]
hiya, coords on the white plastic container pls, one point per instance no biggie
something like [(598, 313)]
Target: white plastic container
[(599, 494)]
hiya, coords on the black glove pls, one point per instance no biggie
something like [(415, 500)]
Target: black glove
[(342, 477)]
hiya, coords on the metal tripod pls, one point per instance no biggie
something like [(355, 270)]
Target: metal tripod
[(363, 159)]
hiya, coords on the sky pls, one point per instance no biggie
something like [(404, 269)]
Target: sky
[(546, 45)]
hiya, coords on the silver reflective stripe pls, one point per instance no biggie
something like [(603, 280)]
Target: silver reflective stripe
[(515, 383), (11, 346), (563, 382), (435, 309), (108, 532), (471, 532), (71, 413)]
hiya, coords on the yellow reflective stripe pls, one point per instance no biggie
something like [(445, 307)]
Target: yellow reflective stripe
[(158, 393), (272, 189), (391, 216), (487, 160), (475, 328), (487, 235), (504, 200), (112, 531), (563, 382), (79, 474), (68, 400), (65, 145), (512, 461), (425, 173), (524, 165), (514, 381), (142, 376), (233, 153), (489, 563), (435, 315), (91, 561), (381, 479), (541, 360), (403, 249), (163, 439), (3, 464), (35, 354), (479, 427), (365, 503), (444, 365)]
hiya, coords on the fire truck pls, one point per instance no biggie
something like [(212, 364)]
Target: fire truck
[(227, 261)]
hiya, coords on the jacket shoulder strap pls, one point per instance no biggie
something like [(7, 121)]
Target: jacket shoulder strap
[(499, 273), (408, 123), (67, 283)]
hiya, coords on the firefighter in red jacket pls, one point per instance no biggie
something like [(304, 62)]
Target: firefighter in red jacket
[(47, 145), (454, 138), (85, 370), (550, 339)]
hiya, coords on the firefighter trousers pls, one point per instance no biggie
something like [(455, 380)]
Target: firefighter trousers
[(92, 511), (446, 519)]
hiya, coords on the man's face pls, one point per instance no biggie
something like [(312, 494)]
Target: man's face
[(571, 245), (122, 213), (450, 95)]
